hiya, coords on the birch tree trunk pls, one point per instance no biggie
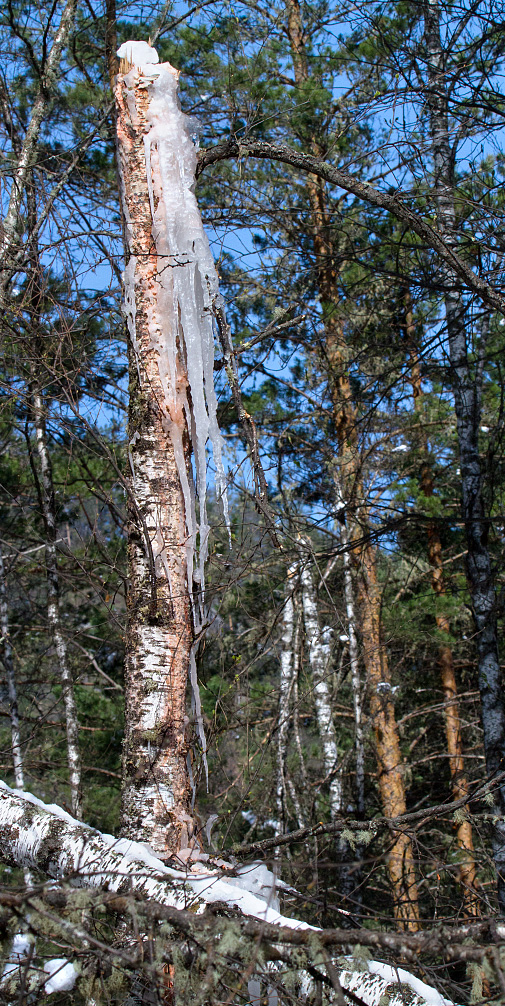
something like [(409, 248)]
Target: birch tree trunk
[(6, 650), (286, 686), (357, 697), (47, 499), (171, 301), (467, 404), (156, 794), (319, 660), (49, 74), (466, 869)]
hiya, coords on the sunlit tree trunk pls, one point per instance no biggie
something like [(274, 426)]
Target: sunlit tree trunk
[(467, 869), (285, 690), (156, 794), (318, 642), (350, 493)]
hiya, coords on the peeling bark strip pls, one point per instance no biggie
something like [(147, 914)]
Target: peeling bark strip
[(171, 292)]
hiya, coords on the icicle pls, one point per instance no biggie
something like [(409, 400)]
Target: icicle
[(198, 711)]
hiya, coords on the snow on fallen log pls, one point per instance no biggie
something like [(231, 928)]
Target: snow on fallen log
[(46, 838)]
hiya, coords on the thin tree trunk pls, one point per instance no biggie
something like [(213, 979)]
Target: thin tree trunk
[(319, 660), (47, 500), (466, 870), (288, 644), (17, 756), (50, 71), (467, 404), (357, 696)]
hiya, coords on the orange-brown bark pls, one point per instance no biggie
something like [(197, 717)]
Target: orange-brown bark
[(156, 794), (400, 859), (467, 869)]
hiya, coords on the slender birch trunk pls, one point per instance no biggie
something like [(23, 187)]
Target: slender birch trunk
[(50, 71), (47, 500), (319, 660), (467, 404), (288, 643), (17, 756), (467, 872), (357, 689)]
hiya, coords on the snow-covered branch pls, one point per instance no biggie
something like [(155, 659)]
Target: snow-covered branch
[(46, 838)]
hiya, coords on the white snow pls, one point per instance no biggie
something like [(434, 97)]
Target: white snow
[(20, 947), (62, 974), (390, 974), (138, 53), (401, 447)]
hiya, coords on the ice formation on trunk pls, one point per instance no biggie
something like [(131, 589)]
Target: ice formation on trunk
[(183, 312)]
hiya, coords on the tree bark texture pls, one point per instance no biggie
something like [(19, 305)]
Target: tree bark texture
[(156, 795), (47, 499), (288, 643), (319, 645), (467, 404)]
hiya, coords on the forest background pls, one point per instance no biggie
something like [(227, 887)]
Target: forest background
[(351, 182)]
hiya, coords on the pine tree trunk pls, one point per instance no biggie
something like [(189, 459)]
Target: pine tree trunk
[(348, 479), (47, 498), (467, 406), (400, 859), (467, 870), (156, 795)]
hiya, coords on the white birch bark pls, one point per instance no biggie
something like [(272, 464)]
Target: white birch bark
[(319, 657), (17, 756), (50, 74), (357, 695), (53, 605), (285, 689)]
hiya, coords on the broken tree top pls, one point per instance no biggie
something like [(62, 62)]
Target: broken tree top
[(185, 293)]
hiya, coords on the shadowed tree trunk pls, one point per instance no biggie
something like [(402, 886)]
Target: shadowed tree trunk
[(6, 651), (466, 869), (44, 481), (467, 404), (349, 492)]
